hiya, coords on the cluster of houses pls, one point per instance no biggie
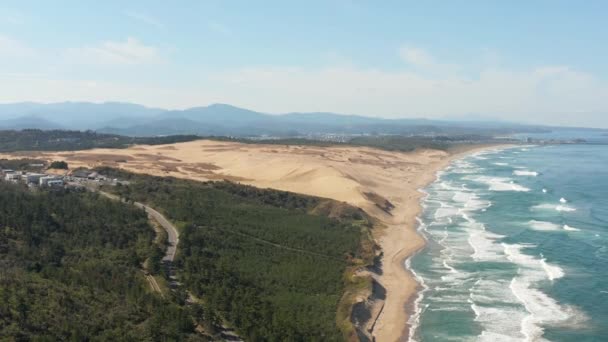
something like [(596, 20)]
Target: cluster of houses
[(33, 178), (75, 179)]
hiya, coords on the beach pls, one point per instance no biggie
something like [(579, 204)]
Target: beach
[(384, 184), (399, 241)]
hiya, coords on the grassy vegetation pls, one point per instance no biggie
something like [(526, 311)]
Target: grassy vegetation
[(274, 265)]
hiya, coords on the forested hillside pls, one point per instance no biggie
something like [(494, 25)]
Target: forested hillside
[(62, 140), (260, 258), (70, 269)]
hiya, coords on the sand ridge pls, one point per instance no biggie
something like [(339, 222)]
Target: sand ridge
[(361, 176)]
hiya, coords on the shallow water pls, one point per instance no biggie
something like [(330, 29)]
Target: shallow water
[(517, 247)]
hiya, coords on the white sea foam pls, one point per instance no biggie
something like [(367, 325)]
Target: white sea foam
[(542, 309), (500, 183), (572, 229), (491, 291), (494, 310), (564, 208), (414, 320), (525, 173), (563, 200), (499, 323), (503, 315), (534, 268), (501, 164), (466, 171), (544, 191), (544, 226), (484, 244), (448, 308), (446, 212), (493, 337), (470, 201), (444, 185), (553, 272), (548, 206)]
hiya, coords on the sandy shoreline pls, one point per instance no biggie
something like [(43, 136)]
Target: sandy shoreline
[(364, 177), (399, 243)]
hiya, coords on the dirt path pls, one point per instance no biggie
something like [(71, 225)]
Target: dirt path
[(153, 284)]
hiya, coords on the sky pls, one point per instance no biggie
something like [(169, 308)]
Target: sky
[(527, 61)]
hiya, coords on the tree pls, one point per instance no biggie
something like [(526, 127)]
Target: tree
[(59, 165)]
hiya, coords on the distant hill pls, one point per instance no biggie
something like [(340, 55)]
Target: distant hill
[(226, 120), (25, 122), (77, 115)]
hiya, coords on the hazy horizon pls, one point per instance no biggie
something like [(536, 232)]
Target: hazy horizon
[(531, 63)]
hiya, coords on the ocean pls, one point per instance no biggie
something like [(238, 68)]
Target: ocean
[(517, 247)]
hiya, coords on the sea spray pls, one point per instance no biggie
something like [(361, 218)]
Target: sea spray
[(497, 242)]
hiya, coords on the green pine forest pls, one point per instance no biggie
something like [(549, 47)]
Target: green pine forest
[(273, 265), (71, 271)]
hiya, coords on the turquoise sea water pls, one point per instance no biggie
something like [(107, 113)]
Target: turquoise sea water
[(517, 247)]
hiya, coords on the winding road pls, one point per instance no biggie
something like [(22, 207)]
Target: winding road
[(172, 233)]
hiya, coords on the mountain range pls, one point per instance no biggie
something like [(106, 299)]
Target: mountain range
[(225, 120)]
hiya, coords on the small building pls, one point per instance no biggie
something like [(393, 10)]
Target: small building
[(55, 183), (46, 180), (7, 171), (32, 178), (12, 177), (81, 174)]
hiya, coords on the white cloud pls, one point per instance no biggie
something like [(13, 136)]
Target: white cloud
[(424, 62), (546, 94), (146, 19), (416, 56), (10, 47), (128, 52), (549, 95)]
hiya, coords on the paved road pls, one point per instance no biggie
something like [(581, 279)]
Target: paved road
[(172, 233)]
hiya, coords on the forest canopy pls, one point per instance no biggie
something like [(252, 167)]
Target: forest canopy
[(259, 258), (70, 269)]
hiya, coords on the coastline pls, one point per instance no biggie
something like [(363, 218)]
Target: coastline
[(385, 184), (399, 242)]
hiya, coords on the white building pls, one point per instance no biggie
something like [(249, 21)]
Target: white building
[(55, 183), (48, 180), (12, 177), (32, 177)]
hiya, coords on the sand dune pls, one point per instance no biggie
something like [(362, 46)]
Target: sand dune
[(363, 177)]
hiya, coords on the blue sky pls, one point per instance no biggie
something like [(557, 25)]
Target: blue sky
[(530, 61)]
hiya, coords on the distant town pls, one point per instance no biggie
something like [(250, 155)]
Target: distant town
[(77, 179)]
